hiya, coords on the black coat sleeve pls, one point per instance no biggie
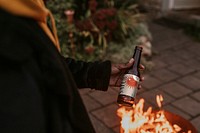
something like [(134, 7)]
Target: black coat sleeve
[(95, 75)]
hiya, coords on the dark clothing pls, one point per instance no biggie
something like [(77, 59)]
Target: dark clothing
[(38, 86)]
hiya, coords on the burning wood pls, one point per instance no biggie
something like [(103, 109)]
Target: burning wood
[(136, 120)]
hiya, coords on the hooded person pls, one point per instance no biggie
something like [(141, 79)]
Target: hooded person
[(38, 86)]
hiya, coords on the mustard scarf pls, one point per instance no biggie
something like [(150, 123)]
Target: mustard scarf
[(33, 9)]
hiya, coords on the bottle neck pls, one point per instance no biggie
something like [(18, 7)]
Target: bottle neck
[(137, 56)]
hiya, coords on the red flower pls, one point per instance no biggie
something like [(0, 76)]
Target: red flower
[(111, 12), (84, 25), (89, 49), (112, 25), (105, 18), (100, 24), (99, 15)]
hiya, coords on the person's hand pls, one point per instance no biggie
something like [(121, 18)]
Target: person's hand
[(118, 71)]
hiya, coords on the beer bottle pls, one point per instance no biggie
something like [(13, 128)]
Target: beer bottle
[(129, 85)]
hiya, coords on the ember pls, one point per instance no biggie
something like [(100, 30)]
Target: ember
[(136, 120)]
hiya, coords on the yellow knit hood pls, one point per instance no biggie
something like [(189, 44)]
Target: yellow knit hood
[(33, 9)]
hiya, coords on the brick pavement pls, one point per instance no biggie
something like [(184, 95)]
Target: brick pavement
[(176, 76)]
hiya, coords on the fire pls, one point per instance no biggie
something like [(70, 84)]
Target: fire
[(159, 100), (136, 120)]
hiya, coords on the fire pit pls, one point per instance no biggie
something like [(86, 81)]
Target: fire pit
[(136, 120), (183, 123)]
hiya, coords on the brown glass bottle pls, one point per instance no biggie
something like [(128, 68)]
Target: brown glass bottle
[(129, 85)]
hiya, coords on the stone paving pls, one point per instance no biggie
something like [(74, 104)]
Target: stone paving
[(176, 76)]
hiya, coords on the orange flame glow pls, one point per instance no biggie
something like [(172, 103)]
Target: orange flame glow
[(159, 100), (136, 120)]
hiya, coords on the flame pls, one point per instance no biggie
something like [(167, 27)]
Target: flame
[(159, 100), (136, 120)]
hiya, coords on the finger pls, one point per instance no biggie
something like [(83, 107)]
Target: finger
[(142, 67), (139, 87), (130, 63), (141, 78), (126, 65), (121, 66), (114, 70)]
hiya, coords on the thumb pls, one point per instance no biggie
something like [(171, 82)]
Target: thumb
[(130, 63)]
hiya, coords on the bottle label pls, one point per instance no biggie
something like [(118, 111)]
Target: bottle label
[(129, 85)]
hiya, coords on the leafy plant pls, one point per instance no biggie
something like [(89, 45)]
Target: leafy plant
[(96, 26)]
